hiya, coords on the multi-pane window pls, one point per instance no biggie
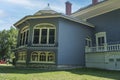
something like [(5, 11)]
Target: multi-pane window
[(24, 36), (39, 56), (44, 34), (22, 56), (51, 36), (88, 42), (34, 56), (36, 36), (101, 39)]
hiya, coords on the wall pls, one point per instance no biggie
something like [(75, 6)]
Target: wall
[(102, 60), (109, 23), (71, 42)]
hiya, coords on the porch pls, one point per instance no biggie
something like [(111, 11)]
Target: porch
[(111, 47)]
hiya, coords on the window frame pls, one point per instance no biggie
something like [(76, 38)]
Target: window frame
[(41, 26), (100, 35), (22, 54), (26, 31), (41, 55)]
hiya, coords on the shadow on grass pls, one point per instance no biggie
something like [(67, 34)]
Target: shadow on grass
[(97, 72), (82, 71)]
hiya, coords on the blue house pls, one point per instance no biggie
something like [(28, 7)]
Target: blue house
[(88, 37)]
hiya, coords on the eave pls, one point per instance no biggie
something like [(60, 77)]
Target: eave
[(52, 16), (98, 9)]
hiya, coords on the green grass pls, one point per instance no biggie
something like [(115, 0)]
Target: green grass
[(11, 73)]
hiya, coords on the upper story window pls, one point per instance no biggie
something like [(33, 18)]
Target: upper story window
[(101, 39), (24, 36), (88, 42), (44, 34)]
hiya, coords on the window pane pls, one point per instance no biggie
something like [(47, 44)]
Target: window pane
[(27, 37), (20, 39), (44, 36), (23, 38), (101, 41), (51, 36), (42, 57), (36, 36)]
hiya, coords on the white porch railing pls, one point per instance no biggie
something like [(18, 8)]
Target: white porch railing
[(114, 47)]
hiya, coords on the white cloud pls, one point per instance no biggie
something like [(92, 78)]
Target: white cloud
[(19, 2), (2, 13)]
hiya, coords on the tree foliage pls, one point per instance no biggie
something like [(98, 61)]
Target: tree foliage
[(8, 41)]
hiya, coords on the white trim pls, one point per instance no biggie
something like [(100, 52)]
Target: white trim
[(101, 34), (53, 16), (40, 33)]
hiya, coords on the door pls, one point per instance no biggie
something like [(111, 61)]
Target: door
[(117, 63), (114, 62)]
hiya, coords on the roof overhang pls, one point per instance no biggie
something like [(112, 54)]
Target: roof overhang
[(98, 9), (52, 16)]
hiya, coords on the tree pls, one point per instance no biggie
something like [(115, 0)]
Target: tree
[(8, 41)]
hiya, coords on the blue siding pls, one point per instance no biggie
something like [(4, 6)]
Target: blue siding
[(71, 42), (109, 23)]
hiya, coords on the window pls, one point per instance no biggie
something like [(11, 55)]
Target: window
[(22, 56), (51, 36), (50, 57), (36, 36), (44, 34), (101, 39), (24, 36), (42, 56), (88, 42), (34, 56)]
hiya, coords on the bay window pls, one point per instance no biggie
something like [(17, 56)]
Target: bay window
[(24, 36), (44, 34)]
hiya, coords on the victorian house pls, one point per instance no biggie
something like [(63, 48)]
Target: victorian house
[(88, 37)]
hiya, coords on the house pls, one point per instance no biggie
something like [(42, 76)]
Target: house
[(86, 38), (103, 49)]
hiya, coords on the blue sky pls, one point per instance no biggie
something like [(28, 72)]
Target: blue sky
[(13, 10)]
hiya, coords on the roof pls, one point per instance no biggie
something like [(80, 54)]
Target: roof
[(52, 16), (46, 10), (97, 9), (49, 13)]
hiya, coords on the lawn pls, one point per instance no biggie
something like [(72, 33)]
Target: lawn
[(11, 73)]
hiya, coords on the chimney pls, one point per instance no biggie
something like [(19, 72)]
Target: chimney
[(94, 2), (68, 8)]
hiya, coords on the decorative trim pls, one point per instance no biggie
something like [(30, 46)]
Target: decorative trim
[(53, 16)]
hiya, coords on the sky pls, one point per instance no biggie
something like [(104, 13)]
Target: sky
[(12, 11)]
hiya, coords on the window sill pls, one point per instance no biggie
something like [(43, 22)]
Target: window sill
[(42, 62), (21, 61)]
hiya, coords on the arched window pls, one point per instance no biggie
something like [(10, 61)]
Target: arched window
[(44, 33), (42, 56), (34, 56), (24, 36), (51, 56)]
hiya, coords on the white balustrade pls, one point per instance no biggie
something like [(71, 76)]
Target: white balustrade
[(115, 47)]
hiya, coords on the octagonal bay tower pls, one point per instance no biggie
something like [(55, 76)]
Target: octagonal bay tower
[(49, 39)]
